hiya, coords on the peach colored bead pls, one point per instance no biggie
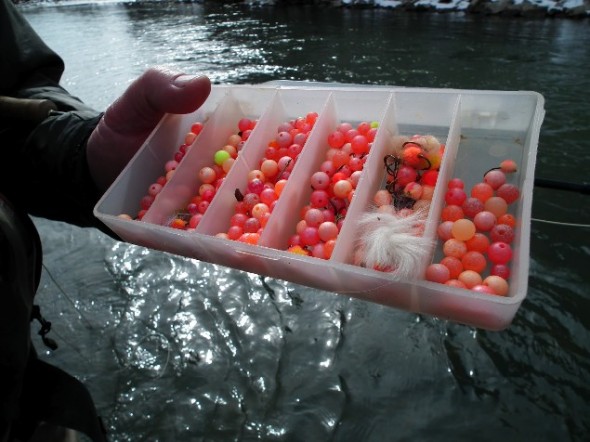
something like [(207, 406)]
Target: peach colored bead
[(234, 140), (189, 138), (498, 284), (498, 206), (232, 150), (256, 174), (463, 229), (470, 278)]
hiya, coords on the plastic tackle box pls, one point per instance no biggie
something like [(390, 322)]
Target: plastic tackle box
[(478, 128)]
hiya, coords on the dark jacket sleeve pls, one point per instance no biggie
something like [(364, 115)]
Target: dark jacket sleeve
[(43, 167)]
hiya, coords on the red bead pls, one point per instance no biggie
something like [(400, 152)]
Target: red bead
[(509, 192), (499, 252), (429, 177)]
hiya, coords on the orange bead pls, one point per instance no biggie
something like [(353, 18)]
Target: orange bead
[(452, 213), (475, 261), (177, 223), (454, 247), (454, 265), (498, 284), (482, 191), (507, 219)]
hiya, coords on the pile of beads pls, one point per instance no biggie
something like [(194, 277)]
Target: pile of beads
[(333, 188), (412, 173), (257, 201), (212, 177), (397, 219), (169, 168), (477, 228)]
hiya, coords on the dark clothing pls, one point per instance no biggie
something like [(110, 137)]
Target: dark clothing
[(43, 165), (43, 172)]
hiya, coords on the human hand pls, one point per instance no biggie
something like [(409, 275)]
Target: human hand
[(132, 117)]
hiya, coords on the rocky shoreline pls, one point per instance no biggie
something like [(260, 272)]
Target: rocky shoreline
[(516, 8)]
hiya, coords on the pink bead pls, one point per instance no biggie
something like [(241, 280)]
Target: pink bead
[(472, 206), (314, 217), (328, 230), (502, 233), (405, 175), (284, 139), (320, 180), (146, 202), (501, 270), (456, 183), (319, 198), (495, 178), (170, 165), (309, 236), (484, 221), (154, 189), (455, 196), (437, 273), (444, 230), (194, 221)]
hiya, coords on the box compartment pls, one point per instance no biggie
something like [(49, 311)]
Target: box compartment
[(478, 128)]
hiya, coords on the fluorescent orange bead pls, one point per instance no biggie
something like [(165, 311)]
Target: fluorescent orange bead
[(475, 261), (507, 219), (478, 243), (482, 192)]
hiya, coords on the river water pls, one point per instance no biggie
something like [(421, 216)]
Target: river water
[(175, 349)]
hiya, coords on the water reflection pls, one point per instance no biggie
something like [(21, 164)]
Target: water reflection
[(193, 351)]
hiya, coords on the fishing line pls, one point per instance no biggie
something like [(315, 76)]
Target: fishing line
[(63, 292), (560, 223)]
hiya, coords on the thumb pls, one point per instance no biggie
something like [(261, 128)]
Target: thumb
[(130, 119)]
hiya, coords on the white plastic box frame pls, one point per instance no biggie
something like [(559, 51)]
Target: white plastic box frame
[(479, 129)]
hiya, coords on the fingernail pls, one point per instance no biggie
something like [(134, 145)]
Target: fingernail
[(183, 79)]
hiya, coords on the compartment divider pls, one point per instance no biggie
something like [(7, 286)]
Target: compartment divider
[(368, 184)]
